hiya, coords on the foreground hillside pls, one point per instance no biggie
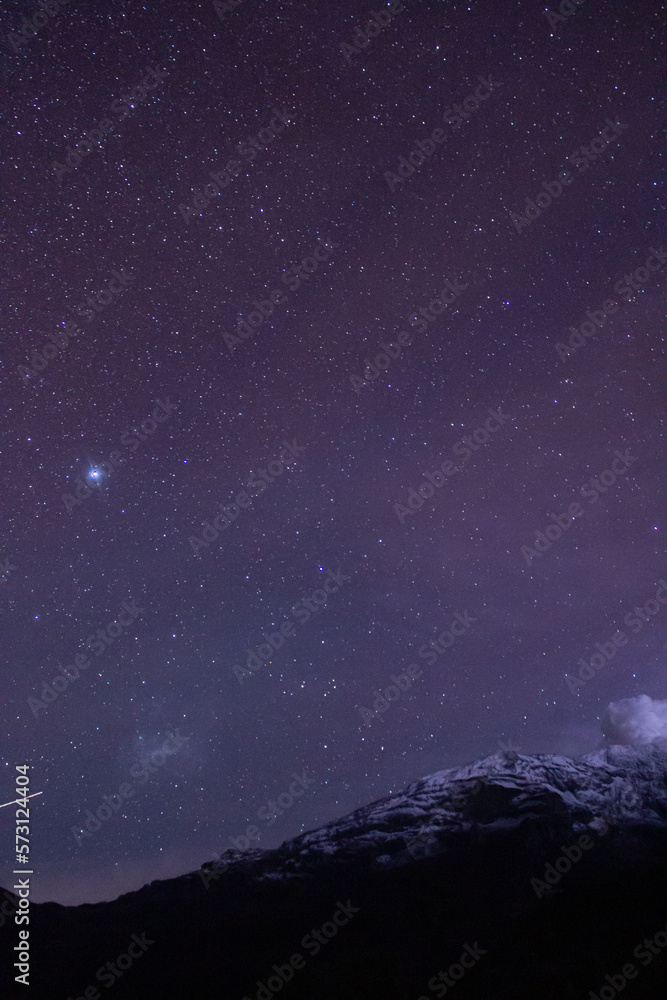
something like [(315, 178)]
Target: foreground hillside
[(535, 877)]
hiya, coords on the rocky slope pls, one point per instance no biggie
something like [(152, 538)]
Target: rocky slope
[(514, 877)]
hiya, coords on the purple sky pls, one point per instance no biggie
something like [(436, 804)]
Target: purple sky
[(328, 235)]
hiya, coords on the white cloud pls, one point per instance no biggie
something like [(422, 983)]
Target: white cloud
[(636, 720)]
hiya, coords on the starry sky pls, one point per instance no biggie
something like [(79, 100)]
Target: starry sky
[(151, 384)]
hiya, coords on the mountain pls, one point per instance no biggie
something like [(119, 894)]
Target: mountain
[(513, 878)]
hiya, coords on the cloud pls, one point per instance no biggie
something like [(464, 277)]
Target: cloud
[(636, 720)]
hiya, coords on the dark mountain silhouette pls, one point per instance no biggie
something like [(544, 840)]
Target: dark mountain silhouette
[(514, 878)]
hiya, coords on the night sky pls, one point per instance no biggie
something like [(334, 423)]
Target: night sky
[(239, 325)]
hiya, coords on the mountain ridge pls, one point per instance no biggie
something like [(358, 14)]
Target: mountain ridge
[(508, 856)]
